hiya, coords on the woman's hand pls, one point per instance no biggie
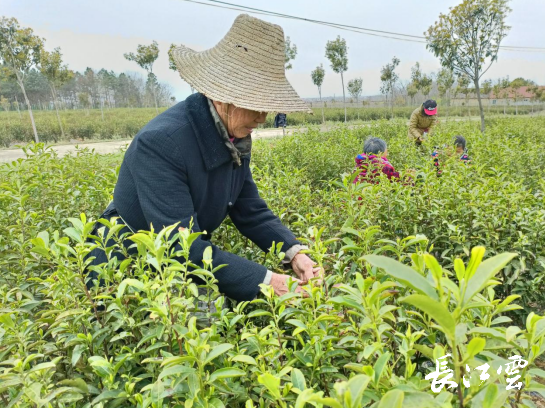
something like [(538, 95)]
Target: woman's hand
[(305, 268), (279, 283)]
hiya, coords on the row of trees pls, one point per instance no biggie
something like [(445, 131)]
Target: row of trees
[(466, 41), (29, 72), (83, 90)]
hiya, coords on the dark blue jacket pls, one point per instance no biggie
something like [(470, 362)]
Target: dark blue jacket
[(280, 120), (178, 167)]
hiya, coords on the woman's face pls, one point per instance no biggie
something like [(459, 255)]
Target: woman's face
[(239, 122)]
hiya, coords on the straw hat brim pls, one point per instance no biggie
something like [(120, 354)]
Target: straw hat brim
[(222, 79)]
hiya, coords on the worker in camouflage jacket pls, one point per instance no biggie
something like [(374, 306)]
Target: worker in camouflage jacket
[(423, 119)]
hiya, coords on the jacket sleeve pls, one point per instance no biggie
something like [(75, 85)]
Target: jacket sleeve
[(433, 123), (256, 221), (165, 198), (413, 126), (391, 173)]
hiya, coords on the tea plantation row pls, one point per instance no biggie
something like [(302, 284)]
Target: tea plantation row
[(408, 281), (125, 122)]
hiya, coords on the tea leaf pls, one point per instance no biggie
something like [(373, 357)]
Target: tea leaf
[(404, 274), (486, 271), (298, 379), (475, 346), (272, 384), (392, 399), (436, 311), (226, 373), (242, 358), (217, 351), (172, 371)]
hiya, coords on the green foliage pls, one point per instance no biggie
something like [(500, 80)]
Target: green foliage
[(336, 52), (124, 123), (468, 38), (318, 77), (445, 80), (389, 77), (19, 51), (145, 56), (408, 280), (290, 52), (52, 68), (355, 88)]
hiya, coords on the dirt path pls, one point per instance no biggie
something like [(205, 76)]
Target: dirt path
[(103, 147)]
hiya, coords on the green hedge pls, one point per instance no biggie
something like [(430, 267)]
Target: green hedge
[(125, 123)]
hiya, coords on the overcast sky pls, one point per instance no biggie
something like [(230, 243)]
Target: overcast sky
[(96, 34)]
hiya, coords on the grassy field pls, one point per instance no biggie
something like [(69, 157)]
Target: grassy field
[(124, 123), (452, 265)]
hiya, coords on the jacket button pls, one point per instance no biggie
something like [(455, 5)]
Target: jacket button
[(230, 204)]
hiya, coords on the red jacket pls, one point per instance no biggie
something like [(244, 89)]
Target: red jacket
[(370, 165)]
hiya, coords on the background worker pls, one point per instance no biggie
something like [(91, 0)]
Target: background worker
[(280, 120), (422, 120)]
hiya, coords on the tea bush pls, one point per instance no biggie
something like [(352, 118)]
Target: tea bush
[(408, 280), (122, 123)]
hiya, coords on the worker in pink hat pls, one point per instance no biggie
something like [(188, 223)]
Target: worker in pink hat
[(422, 120)]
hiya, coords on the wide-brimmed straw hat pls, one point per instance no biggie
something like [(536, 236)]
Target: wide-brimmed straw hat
[(246, 68)]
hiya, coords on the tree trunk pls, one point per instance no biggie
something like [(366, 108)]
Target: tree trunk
[(155, 100), (54, 94), (392, 102), (504, 103), (102, 107), (20, 81), (323, 117), (344, 98), (17, 106), (358, 108), (478, 91)]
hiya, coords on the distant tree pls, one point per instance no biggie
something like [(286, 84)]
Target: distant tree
[(389, 78), (468, 38), (290, 53), (106, 84), (496, 89), (4, 103), (145, 57), (57, 75), (416, 77), (505, 86), (426, 82), (172, 64), (412, 90), (445, 81), (538, 94), (337, 53), (318, 78), (463, 88), (486, 88), (19, 51), (355, 87), (516, 84), (84, 101), (420, 81)]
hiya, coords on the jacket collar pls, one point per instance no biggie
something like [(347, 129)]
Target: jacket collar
[(212, 147)]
